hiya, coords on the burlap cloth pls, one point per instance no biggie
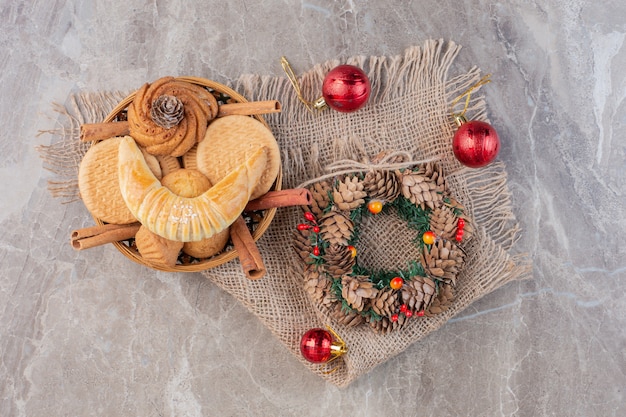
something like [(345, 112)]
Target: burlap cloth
[(408, 110)]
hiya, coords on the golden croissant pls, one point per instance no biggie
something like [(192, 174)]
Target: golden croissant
[(179, 218)]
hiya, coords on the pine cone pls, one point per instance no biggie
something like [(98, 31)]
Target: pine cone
[(382, 185), (357, 290), (434, 173), (461, 213), (443, 222), (339, 260), (321, 197), (336, 228), (420, 190), (418, 293), (167, 111), (348, 194), (441, 303), (396, 159), (384, 304), (443, 261), (302, 244), (317, 285), (350, 319), (385, 325)]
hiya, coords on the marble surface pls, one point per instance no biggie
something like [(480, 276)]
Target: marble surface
[(85, 334)]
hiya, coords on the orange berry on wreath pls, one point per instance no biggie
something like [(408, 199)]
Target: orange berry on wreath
[(396, 283), (352, 250), (375, 206), (429, 237)]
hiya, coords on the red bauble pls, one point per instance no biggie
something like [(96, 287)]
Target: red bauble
[(475, 144), (316, 345), (346, 88)]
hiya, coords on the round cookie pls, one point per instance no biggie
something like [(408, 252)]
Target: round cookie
[(229, 142), (99, 186)]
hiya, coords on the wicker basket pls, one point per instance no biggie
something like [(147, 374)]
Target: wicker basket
[(229, 253)]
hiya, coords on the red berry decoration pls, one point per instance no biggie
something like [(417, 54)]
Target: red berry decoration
[(408, 314), (421, 313), (316, 229), (318, 345), (352, 250), (460, 223), (303, 226), (310, 217), (316, 250), (394, 317), (475, 143), (346, 88), (459, 235), (396, 283), (404, 308), (429, 237)]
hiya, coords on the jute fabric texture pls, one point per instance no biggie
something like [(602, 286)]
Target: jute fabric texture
[(409, 111)]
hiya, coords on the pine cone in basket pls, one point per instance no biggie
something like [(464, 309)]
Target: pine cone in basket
[(443, 261), (348, 194), (443, 300), (198, 107), (382, 185), (339, 260), (418, 293), (357, 290), (320, 191), (336, 228)]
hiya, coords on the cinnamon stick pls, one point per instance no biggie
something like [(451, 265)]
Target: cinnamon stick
[(281, 198), (90, 132), (249, 255), (249, 108), (93, 236)]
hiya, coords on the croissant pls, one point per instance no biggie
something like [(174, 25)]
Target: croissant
[(192, 108), (181, 218)]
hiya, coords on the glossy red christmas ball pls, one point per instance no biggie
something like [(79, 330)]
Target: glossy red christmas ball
[(346, 88), (316, 345), (476, 144)]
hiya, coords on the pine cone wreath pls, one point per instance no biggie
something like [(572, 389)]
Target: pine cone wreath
[(443, 300), (338, 260), (382, 185), (348, 194), (385, 325), (384, 304), (336, 228), (302, 244), (347, 318), (459, 210), (434, 173), (420, 190), (357, 290), (443, 261), (320, 191), (443, 222), (418, 293), (317, 285), (388, 158)]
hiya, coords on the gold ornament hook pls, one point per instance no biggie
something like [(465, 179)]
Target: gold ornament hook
[(459, 118), (295, 84), (337, 349)]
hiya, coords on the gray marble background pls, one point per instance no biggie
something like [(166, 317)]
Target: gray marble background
[(93, 334)]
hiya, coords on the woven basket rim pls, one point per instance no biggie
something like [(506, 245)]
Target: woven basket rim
[(223, 257)]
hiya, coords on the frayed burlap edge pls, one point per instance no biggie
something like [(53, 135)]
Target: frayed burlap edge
[(408, 110)]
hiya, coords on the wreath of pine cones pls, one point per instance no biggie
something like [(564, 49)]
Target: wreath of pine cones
[(385, 300)]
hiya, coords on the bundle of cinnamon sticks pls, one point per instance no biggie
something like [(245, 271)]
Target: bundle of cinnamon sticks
[(243, 242)]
